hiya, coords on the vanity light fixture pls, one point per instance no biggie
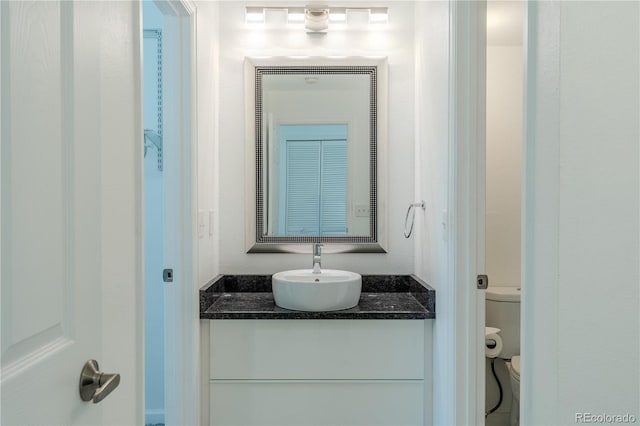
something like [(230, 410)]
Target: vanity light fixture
[(295, 15), (318, 19), (378, 15), (338, 15), (254, 15)]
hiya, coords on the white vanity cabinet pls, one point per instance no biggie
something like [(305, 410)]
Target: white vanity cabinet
[(318, 372)]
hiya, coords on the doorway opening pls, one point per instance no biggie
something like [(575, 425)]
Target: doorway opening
[(154, 294), (170, 303), (504, 142)]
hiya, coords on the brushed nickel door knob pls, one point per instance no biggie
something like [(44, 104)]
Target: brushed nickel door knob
[(95, 385)]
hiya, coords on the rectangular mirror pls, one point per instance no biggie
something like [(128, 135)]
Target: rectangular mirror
[(315, 138)]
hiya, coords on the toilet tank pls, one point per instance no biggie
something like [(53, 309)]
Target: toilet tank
[(503, 312)]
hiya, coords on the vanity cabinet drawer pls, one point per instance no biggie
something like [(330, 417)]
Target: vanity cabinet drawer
[(326, 403), (317, 349)]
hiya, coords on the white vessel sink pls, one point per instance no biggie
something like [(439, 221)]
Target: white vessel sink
[(330, 290)]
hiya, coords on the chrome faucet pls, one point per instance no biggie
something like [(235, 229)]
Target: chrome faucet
[(316, 257)]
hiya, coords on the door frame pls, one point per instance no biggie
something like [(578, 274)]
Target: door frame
[(182, 356), (466, 200), (467, 171)]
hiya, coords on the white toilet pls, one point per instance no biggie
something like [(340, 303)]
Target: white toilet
[(503, 312)]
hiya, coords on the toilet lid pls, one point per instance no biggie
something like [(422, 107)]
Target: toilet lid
[(515, 366)]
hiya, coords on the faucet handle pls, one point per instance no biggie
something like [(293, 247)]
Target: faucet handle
[(316, 248)]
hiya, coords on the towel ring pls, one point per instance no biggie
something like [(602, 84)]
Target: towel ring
[(412, 208)]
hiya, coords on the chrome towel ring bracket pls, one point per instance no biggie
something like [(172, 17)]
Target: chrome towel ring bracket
[(412, 209)]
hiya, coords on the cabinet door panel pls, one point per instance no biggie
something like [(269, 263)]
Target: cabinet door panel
[(396, 403), (317, 349)]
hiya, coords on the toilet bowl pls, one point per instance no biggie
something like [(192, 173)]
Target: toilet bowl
[(514, 378)]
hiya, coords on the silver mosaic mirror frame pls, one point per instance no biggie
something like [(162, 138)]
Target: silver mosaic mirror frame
[(255, 70)]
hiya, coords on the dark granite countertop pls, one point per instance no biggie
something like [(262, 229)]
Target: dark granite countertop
[(382, 297)]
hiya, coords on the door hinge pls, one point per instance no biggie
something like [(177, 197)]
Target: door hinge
[(167, 275), (483, 282)]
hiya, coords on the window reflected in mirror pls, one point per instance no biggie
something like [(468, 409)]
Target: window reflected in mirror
[(308, 188)]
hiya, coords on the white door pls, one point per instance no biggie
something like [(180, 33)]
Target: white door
[(71, 250)]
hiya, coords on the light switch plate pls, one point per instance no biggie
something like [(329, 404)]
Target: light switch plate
[(201, 223), (361, 210)]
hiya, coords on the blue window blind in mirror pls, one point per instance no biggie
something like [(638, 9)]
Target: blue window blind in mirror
[(313, 179)]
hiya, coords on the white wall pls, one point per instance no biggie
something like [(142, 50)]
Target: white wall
[(207, 137), (505, 66), (238, 41), (581, 311), (431, 177)]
